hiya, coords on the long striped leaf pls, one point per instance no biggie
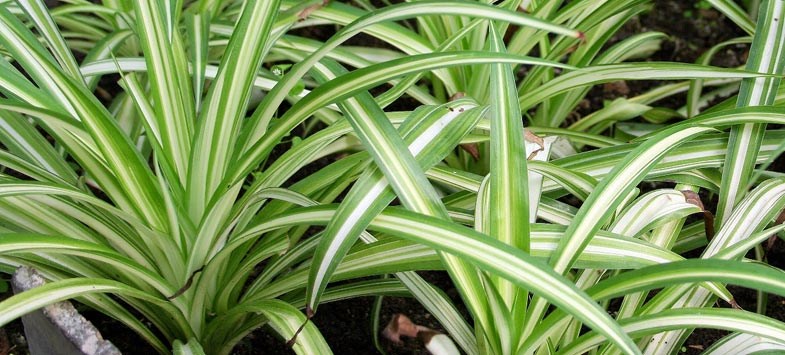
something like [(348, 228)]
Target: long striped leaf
[(37, 12), (767, 55), (751, 215), (137, 184), (750, 275), (363, 79), (287, 321), (405, 176), (629, 71), (493, 257), (261, 117), (127, 243), (192, 347), (488, 254), (606, 250), (219, 118), (198, 29), (23, 303), (509, 191), (650, 209), (737, 343), (30, 243), (21, 139), (430, 134), (614, 187), (735, 13), (170, 85), (608, 194), (687, 318)]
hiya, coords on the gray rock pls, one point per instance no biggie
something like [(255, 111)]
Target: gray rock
[(58, 329)]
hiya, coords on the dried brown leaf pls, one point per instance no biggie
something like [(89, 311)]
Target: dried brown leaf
[(400, 325), (692, 197), (309, 313), (187, 284), (734, 304), (310, 9), (472, 149), (533, 138)]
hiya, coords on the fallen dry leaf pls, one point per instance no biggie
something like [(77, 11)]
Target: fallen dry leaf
[(400, 325), (533, 138), (436, 342)]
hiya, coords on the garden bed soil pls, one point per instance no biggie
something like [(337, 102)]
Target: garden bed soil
[(346, 325)]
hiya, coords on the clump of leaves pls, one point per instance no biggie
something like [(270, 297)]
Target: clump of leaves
[(146, 197), (171, 198)]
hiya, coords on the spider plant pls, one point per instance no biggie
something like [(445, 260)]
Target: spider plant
[(172, 198), (504, 195), (169, 197)]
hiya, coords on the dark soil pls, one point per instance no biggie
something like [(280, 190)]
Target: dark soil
[(12, 338), (691, 32), (346, 325)]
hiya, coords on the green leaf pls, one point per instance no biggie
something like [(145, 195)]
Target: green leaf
[(220, 117), (192, 347), (766, 56), (431, 133), (488, 254), (137, 188), (750, 275), (687, 318), (28, 301), (740, 342), (287, 321), (509, 191), (170, 84), (607, 196), (267, 108)]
